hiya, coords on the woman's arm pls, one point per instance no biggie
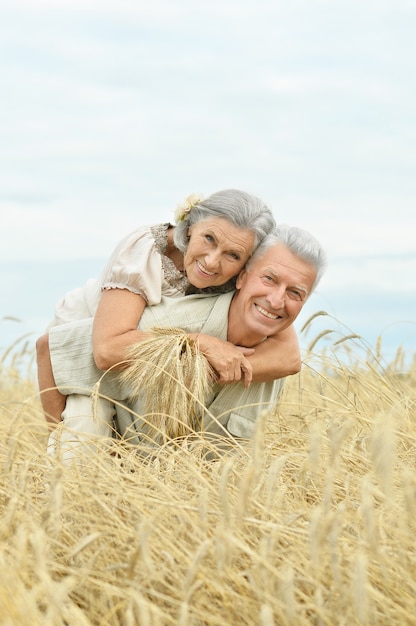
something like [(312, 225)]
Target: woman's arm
[(277, 357), (115, 327), (115, 330), (228, 361)]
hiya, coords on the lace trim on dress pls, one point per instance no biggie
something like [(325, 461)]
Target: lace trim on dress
[(114, 285), (172, 275), (216, 290)]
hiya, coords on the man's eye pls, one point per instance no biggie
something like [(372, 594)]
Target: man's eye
[(209, 238), (235, 256), (295, 295)]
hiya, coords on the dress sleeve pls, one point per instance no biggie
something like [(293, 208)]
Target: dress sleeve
[(136, 265)]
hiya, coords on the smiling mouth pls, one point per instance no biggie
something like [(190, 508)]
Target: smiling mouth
[(270, 316), (204, 270)]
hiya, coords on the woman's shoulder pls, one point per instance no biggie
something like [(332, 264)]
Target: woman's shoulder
[(154, 234), (141, 242), (140, 265)]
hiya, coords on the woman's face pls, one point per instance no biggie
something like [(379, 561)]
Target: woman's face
[(216, 252)]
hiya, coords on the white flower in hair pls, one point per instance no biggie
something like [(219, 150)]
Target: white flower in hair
[(187, 205)]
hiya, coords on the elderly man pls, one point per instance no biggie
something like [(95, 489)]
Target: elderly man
[(270, 294)]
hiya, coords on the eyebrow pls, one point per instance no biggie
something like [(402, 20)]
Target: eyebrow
[(238, 247), (269, 270), (299, 288)]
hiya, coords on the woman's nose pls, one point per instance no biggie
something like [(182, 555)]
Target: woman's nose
[(212, 258)]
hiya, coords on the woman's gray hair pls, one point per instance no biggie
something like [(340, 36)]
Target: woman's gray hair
[(238, 207), (300, 242)]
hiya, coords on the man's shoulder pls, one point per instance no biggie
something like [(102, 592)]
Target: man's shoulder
[(202, 300)]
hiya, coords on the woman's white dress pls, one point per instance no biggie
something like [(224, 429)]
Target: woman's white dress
[(137, 264)]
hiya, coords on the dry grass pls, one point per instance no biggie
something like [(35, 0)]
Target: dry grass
[(314, 523), (177, 379)]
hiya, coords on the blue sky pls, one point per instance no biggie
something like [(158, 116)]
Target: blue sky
[(113, 111)]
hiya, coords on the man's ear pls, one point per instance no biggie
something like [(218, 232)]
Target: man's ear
[(240, 278)]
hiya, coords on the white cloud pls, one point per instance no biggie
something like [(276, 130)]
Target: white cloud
[(114, 111), (390, 274), (157, 8)]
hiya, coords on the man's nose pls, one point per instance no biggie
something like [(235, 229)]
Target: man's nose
[(276, 297)]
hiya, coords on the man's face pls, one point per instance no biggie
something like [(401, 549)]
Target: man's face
[(272, 292)]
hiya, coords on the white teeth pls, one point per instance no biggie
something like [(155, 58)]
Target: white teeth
[(204, 270), (266, 313)]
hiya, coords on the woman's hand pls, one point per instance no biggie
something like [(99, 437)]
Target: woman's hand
[(228, 361)]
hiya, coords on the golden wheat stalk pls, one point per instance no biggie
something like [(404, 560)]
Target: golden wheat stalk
[(171, 378)]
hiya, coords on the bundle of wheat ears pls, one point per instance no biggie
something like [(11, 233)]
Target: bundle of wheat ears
[(171, 378)]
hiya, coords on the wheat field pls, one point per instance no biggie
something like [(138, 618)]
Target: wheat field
[(312, 523)]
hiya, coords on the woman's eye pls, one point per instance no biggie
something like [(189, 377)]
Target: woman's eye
[(235, 256), (209, 238)]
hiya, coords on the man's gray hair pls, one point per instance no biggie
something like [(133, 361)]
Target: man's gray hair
[(240, 208), (300, 242)]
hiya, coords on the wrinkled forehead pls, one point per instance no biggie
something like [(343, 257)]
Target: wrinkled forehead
[(284, 263)]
